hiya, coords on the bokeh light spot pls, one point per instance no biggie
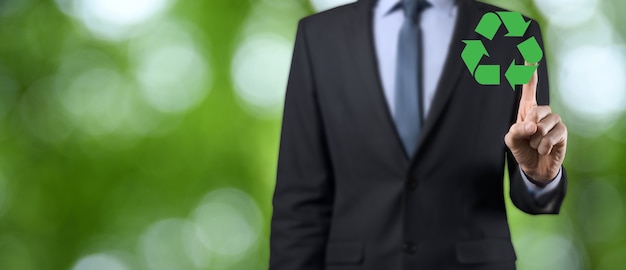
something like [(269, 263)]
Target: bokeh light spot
[(591, 82), (172, 78), (97, 100), (321, 5), (601, 210), (172, 73), (101, 101), (597, 31), (260, 70), (567, 13), (199, 254), (228, 224), (162, 245), (545, 251), (113, 19), (122, 12), (101, 261)]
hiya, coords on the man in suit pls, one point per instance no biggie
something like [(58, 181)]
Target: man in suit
[(392, 156)]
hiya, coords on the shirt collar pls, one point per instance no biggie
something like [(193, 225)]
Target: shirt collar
[(387, 6)]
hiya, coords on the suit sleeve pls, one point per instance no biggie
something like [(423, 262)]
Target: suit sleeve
[(550, 202), (303, 196)]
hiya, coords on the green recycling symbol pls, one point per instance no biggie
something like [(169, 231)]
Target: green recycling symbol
[(516, 27)]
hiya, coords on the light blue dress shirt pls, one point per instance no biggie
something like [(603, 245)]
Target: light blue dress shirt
[(437, 24)]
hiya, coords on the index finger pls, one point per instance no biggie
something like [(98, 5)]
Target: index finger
[(529, 91), (528, 99)]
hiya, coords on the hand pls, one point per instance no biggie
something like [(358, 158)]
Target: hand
[(538, 139)]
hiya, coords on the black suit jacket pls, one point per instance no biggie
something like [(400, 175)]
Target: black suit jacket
[(347, 196)]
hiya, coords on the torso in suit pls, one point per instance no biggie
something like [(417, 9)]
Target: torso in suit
[(348, 197)]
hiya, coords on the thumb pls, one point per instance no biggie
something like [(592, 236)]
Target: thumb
[(518, 133)]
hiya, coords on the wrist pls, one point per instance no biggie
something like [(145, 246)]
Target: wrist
[(541, 178)]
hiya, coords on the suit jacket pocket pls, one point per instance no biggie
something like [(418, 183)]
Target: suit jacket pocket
[(485, 251), (344, 252)]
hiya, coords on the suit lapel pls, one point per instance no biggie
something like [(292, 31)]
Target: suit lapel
[(450, 75), (361, 44)]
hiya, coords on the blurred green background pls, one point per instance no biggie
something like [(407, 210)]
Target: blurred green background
[(144, 134)]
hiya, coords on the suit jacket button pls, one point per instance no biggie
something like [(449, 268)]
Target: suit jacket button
[(409, 248)]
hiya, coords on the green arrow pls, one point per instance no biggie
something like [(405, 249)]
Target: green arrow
[(519, 74), (514, 23), (488, 25), (530, 50), (472, 53), (488, 74)]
